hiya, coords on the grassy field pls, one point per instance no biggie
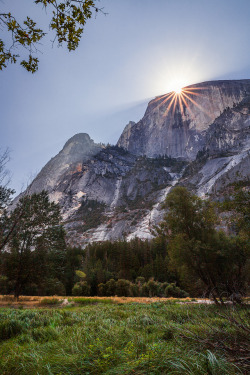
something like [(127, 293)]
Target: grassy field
[(104, 336)]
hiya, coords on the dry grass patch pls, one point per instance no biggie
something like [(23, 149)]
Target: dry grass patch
[(40, 301)]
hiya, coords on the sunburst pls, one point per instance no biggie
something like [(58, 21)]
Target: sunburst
[(183, 97)]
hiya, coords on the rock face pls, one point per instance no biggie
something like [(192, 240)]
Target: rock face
[(199, 139), (177, 125), (77, 149)]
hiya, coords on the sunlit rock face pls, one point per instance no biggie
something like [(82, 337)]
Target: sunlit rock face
[(178, 125), (114, 192), (76, 150)]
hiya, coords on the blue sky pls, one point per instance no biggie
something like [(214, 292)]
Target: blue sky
[(140, 49)]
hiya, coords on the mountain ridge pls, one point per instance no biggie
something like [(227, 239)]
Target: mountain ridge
[(113, 192), (180, 132)]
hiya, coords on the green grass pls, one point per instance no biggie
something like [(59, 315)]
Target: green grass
[(50, 301), (125, 339)]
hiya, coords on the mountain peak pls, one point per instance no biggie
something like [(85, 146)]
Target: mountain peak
[(79, 138), (107, 194), (176, 125)]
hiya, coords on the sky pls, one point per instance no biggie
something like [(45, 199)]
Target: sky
[(138, 50)]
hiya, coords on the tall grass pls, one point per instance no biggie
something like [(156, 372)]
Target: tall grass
[(128, 339)]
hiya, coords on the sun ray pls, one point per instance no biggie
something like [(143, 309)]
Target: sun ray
[(170, 105), (194, 88), (175, 101), (168, 96), (162, 96), (171, 95), (180, 103), (192, 93), (197, 105), (188, 108), (180, 97)]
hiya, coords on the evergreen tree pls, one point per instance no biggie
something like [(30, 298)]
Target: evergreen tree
[(36, 238)]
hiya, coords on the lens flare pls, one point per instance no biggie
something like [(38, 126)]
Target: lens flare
[(182, 97)]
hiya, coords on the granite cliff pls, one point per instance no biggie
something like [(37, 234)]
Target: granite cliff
[(199, 139), (181, 125)]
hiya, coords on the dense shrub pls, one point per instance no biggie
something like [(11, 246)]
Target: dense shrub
[(172, 290), (81, 289), (152, 288), (111, 287), (123, 288)]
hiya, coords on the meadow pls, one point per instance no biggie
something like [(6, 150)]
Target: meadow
[(105, 336)]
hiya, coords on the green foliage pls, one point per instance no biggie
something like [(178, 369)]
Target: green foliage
[(68, 19), (106, 262), (124, 339), (196, 248), (238, 205), (77, 290), (5, 197), (26, 36), (80, 274), (52, 286), (123, 288), (73, 260), (81, 289), (50, 301), (172, 290), (152, 288), (36, 240), (10, 328), (43, 335), (187, 214)]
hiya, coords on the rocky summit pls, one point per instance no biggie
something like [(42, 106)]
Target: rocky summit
[(199, 139)]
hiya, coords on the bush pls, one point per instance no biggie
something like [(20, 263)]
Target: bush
[(81, 288), (174, 291), (111, 287), (123, 288), (77, 290), (50, 301), (153, 288), (102, 289)]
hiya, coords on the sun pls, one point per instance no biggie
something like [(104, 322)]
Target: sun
[(178, 90), (182, 96)]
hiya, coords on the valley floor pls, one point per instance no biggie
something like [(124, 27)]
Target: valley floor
[(106, 336), (62, 301)]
